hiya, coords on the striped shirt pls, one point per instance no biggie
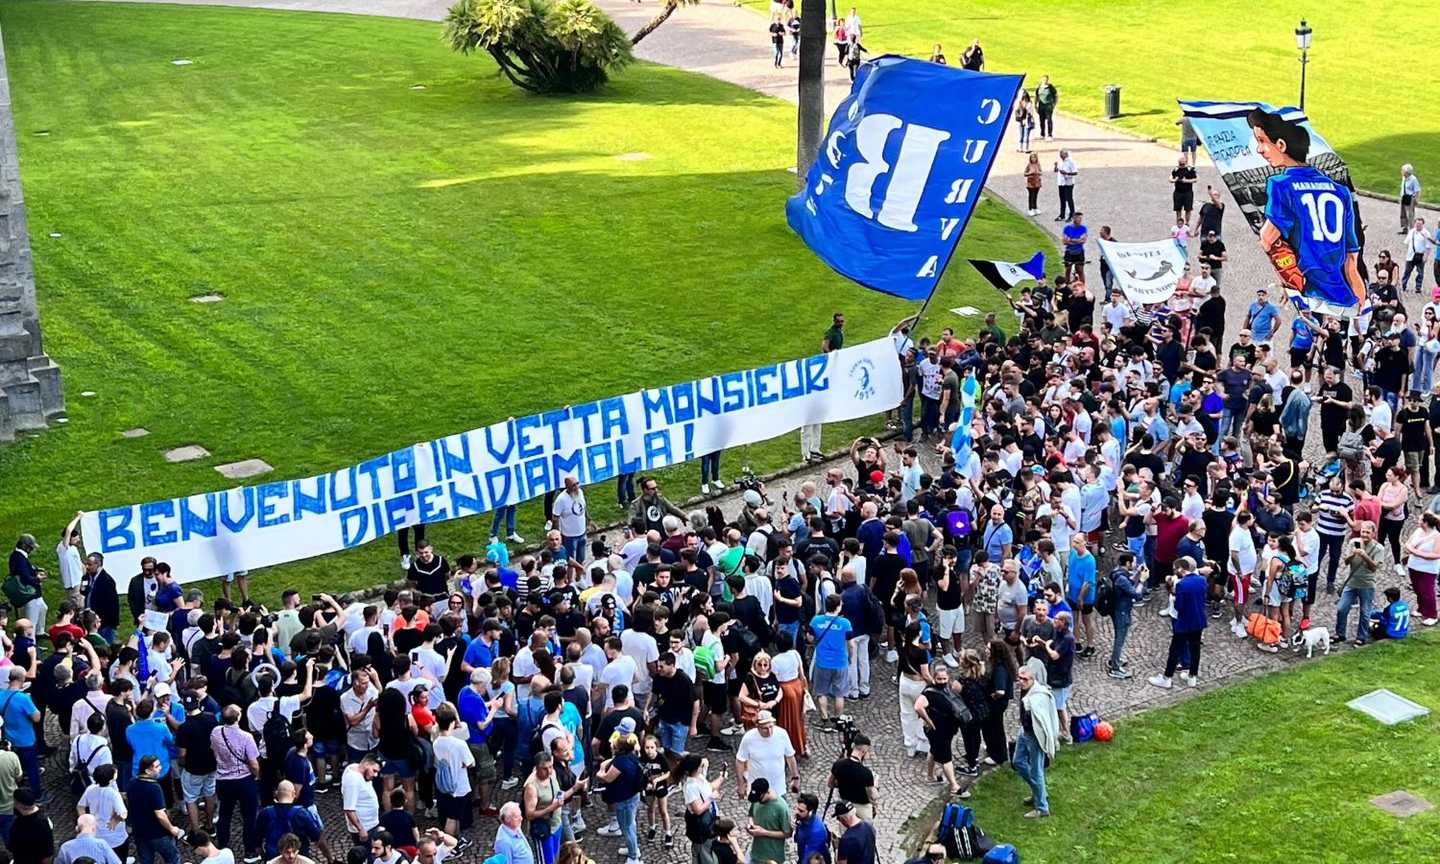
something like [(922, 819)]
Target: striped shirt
[(1328, 521)]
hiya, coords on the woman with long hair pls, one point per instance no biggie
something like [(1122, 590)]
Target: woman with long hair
[(975, 694), (913, 665), (1025, 121), (1002, 668), (1427, 348), (1423, 563), (789, 670), (395, 729), (936, 708), (505, 726), (1033, 175), (700, 795), (1394, 495)]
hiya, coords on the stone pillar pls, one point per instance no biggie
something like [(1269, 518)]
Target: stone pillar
[(30, 391)]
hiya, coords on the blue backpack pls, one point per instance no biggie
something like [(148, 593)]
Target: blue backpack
[(1082, 727), (1002, 854), (959, 834)]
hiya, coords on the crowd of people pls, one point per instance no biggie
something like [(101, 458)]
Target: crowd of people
[(1103, 459)]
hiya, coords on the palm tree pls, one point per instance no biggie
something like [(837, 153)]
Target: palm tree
[(567, 46), (670, 7), (810, 119)]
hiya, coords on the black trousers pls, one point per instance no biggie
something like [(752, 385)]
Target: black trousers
[(1047, 122), (1067, 200), (1181, 640), (1034, 198), (992, 729), (970, 734), (1333, 546)]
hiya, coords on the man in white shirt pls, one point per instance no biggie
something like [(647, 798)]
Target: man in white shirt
[(257, 712), (71, 567), (1409, 194), (357, 703), (1417, 243), (571, 518), (1065, 172), (640, 647), (452, 751), (620, 669), (765, 752), (370, 623), (358, 799), (634, 548)]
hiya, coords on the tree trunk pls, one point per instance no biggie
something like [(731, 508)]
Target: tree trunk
[(655, 22), (811, 116)]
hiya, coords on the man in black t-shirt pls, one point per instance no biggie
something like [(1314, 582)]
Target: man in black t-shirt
[(1414, 425), (1212, 214), (1212, 252), (1384, 455), (197, 762), (1183, 198), (853, 781), (679, 712), (1336, 400)]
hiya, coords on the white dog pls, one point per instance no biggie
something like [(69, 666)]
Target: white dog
[(1313, 636)]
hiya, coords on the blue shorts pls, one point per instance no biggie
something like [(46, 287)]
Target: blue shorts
[(327, 748), (673, 736), (1062, 696), (401, 768)]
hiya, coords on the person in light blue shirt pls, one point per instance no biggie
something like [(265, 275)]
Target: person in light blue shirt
[(149, 735), (21, 715), (1080, 588), (1262, 316), (997, 536), (830, 681)]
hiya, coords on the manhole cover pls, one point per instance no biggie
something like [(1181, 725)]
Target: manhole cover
[(1401, 803), (1387, 707)]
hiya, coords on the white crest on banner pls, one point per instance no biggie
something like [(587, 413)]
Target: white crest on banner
[(1146, 272)]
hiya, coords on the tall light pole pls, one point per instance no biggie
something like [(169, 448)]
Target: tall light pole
[(1302, 41)]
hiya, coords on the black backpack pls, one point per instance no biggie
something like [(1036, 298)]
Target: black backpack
[(1105, 595), (276, 733), (874, 614)]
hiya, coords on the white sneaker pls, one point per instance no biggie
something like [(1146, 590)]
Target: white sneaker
[(704, 488), (516, 538), (494, 539), (633, 861), (405, 563), (610, 830), (1428, 622), (733, 729), (511, 783), (951, 661), (1192, 680), (549, 523), (891, 656), (1160, 681), (578, 823)]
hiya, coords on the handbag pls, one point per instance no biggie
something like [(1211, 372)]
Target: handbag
[(17, 592), (809, 702)]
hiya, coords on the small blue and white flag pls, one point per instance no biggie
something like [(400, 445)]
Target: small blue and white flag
[(1005, 275)]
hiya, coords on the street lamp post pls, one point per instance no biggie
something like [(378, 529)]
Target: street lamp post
[(1302, 42)]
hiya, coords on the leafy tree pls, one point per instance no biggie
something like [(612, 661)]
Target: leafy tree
[(565, 46)]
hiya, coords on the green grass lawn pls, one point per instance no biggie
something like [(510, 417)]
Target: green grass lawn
[(1367, 91), (397, 264), (1273, 770)]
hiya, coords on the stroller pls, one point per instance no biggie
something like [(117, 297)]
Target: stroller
[(1318, 477)]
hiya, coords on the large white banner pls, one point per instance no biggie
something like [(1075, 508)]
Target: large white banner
[(1146, 272), (213, 533)]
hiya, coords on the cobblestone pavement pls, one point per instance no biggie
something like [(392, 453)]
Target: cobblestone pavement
[(1123, 183)]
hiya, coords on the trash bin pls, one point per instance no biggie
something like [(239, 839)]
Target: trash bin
[(1112, 101)]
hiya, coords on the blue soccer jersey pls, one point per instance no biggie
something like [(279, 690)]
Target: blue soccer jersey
[(1316, 217)]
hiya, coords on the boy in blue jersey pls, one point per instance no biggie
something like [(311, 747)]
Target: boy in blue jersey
[(1309, 230)]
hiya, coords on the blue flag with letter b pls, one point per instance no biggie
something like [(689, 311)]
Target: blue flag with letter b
[(900, 170)]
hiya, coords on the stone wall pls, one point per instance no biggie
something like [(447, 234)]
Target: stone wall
[(30, 392)]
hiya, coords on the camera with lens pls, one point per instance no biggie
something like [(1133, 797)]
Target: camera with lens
[(848, 729)]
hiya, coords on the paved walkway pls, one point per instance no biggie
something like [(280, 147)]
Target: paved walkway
[(1123, 183)]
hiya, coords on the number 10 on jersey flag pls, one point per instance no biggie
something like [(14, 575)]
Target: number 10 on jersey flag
[(900, 171)]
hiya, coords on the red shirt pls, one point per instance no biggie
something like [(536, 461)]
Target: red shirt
[(1168, 531), (77, 634), (1368, 509)]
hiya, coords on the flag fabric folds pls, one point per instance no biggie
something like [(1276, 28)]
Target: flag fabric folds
[(1005, 275), (901, 170)]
